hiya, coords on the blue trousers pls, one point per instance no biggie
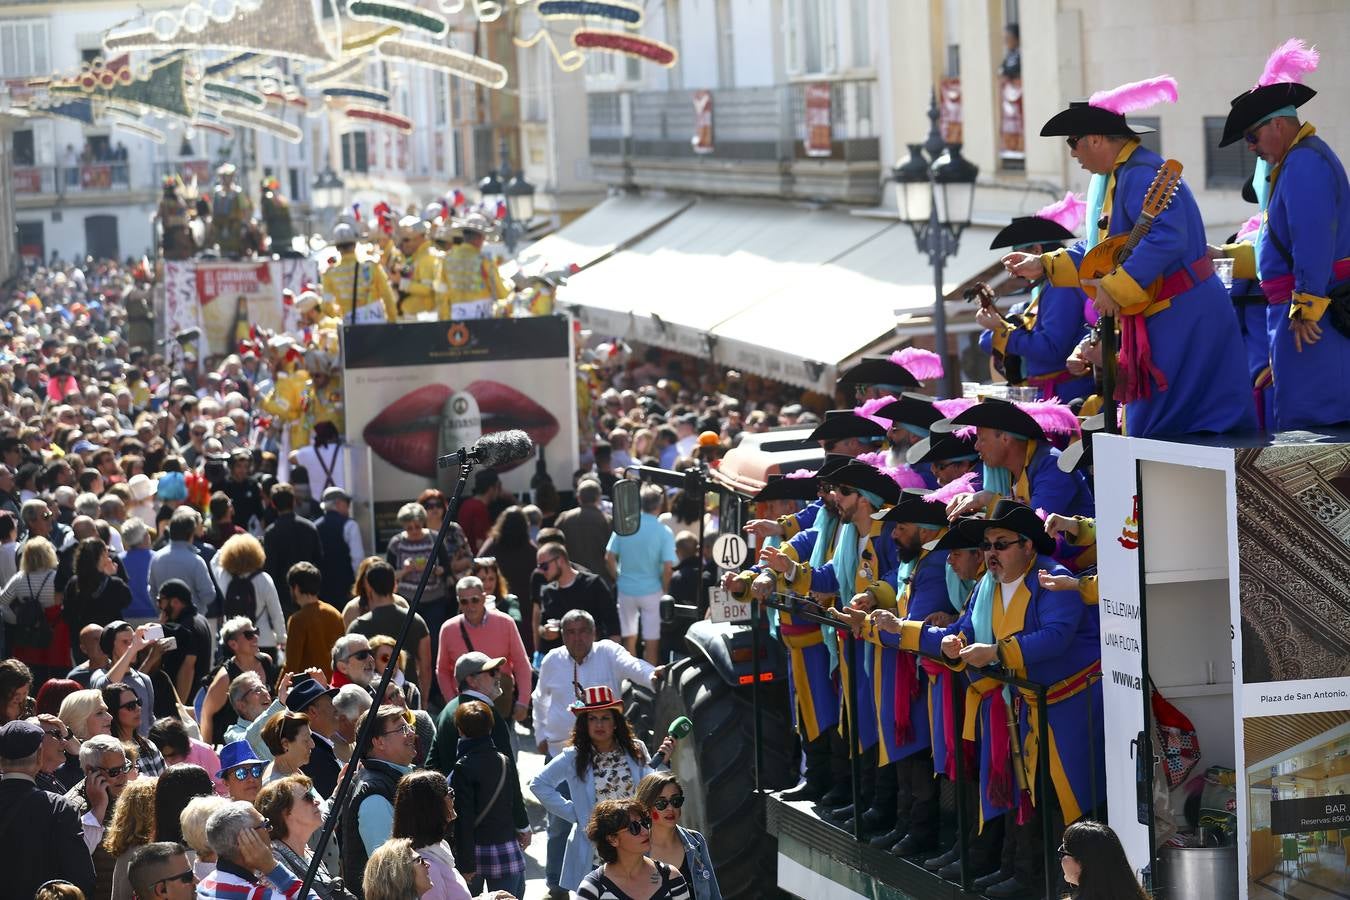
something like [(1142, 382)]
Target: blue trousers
[(559, 829)]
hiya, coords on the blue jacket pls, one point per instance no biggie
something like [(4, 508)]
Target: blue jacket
[(563, 769), (702, 878)]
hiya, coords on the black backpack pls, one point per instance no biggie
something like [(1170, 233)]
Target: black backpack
[(240, 599)]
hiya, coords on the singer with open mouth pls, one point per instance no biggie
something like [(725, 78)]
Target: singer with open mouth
[(604, 761)]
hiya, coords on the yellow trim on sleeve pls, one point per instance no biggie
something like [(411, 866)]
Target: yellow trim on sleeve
[(1087, 531), (790, 526), (1010, 651), (883, 593), (999, 336), (1126, 291), (1059, 268), (910, 632), (1308, 307), (1243, 256), (1087, 588), (801, 584)]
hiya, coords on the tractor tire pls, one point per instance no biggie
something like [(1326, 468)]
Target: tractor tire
[(639, 708), (715, 764)]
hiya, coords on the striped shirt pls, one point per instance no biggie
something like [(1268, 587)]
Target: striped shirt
[(596, 886)]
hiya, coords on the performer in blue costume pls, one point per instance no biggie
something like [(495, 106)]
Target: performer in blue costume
[(949, 457), (1052, 321), (1302, 252), (1249, 305), (815, 696), (862, 566), (1181, 366), (1039, 635)]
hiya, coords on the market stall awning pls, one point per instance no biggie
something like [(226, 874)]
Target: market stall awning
[(613, 224), (768, 288)]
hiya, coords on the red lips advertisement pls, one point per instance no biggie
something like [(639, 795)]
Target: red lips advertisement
[(416, 392)]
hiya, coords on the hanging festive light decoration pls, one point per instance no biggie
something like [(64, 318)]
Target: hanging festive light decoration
[(262, 122), (393, 12), (627, 44), (366, 39), (581, 9), (484, 10), (164, 89), (81, 109), (212, 127), (226, 65), (568, 61), (287, 28), (334, 72), (446, 59), (228, 92), (380, 117), (355, 92), (136, 128)]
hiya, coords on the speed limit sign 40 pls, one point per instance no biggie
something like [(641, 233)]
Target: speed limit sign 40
[(730, 551)]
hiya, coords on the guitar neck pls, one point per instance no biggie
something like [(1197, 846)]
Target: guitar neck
[(1137, 234)]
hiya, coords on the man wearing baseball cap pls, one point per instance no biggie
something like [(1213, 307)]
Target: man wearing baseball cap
[(477, 676)]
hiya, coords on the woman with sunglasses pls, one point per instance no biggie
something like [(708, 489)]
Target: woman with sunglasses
[(621, 833), (396, 872), (456, 547), (126, 710), (240, 639), (1095, 865), (602, 761), (295, 813), (424, 808), (662, 796)]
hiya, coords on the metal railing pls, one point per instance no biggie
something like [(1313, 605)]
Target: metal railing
[(756, 123), (84, 178)]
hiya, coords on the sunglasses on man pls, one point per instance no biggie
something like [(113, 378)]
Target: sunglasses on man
[(184, 877)]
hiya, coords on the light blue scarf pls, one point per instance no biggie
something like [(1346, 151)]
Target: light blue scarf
[(998, 480), (775, 541), (958, 589), (982, 614), (1096, 199), (846, 561), (825, 525), (1262, 188)]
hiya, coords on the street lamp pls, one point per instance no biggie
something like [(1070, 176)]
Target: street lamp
[(936, 199), (517, 194), (327, 190)]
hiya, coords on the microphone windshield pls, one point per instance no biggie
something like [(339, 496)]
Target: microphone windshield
[(680, 727), (500, 448)]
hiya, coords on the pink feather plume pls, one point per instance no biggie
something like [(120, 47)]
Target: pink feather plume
[(1068, 212), (801, 473), (1249, 228), (904, 476), (945, 494), (1289, 63), (955, 406), (869, 409), (877, 459), (1136, 95), (925, 365), (1053, 417)]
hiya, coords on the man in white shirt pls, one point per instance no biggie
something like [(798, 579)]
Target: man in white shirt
[(581, 660)]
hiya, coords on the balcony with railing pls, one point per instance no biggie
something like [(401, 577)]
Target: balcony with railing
[(86, 178), (804, 141)]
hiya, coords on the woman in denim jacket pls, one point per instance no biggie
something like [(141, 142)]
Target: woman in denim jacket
[(661, 794)]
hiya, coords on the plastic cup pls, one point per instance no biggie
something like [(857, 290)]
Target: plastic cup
[(1224, 269)]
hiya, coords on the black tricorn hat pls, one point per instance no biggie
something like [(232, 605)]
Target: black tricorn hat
[(844, 423), (1081, 118), (994, 413), (781, 487), (878, 370), (1251, 107), (955, 539), (867, 478), (911, 409), (941, 448), (913, 508), (1078, 455), (833, 463), (1013, 516), (1031, 230)]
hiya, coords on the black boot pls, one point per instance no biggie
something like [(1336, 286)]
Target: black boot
[(889, 839), (937, 862), (804, 791), (993, 878), (914, 844)]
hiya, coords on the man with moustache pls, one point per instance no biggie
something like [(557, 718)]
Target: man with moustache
[(1038, 635), (479, 678), (368, 820), (353, 661)]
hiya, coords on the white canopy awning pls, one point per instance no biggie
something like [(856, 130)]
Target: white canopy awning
[(775, 290), (616, 222)]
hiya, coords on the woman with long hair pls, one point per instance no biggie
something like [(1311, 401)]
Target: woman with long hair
[(243, 557), (295, 812), (602, 761), (424, 807), (177, 787), (620, 831), (94, 594), (662, 796), (132, 827), (396, 872), (287, 735), (240, 639), (510, 544), (126, 709), (1095, 865), (497, 589)]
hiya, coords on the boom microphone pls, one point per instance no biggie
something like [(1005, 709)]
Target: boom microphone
[(678, 729), (498, 448)]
